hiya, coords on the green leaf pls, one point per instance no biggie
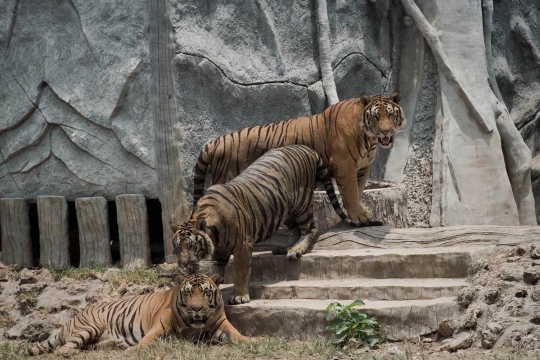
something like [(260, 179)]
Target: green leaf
[(337, 307), (342, 328), (373, 340), (334, 323), (357, 316), (341, 337), (370, 321), (355, 303), (332, 305)]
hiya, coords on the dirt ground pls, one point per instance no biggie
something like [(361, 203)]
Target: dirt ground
[(500, 317)]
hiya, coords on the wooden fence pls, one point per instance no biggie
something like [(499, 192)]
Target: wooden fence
[(93, 225)]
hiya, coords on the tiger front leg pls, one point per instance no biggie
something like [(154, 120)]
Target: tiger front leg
[(242, 272), (150, 336), (348, 188), (309, 234), (362, 176), (226, 333)]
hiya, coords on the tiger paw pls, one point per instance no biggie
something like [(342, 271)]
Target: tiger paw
[(238, 299), (67, 351), (34, 351), (294, 254), (130, 349)]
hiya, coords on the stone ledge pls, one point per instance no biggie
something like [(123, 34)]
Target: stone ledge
[(294, 319), (353, 289)]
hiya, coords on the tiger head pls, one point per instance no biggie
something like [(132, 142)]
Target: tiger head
[(191, 244), (382, 117), (199, 298)]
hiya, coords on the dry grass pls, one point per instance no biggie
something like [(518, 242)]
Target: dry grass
[(266, 348), (115, 277)]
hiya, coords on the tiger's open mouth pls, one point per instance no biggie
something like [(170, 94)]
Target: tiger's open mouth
[(198, 321), (386, 141)]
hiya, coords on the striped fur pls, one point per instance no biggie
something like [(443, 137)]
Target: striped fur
[(230, 218), (192, 309), (345, 135)]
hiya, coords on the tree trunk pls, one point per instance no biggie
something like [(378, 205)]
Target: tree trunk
[(167, 130), (325, 61), (15, 233), (133, 231), (517, 154), (53, 232), (470, 183), (94, 238)]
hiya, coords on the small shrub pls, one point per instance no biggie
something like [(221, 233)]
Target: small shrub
[(348, 324)]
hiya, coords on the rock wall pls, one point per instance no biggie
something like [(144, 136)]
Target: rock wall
[(516, 60), (77, 114), (75, 103)]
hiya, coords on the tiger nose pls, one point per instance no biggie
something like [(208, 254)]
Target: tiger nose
[(196, 308), (385, 132)]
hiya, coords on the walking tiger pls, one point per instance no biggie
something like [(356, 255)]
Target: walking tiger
[(230, 218)]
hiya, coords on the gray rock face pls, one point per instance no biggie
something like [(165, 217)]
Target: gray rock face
[(74, 97), (516, 55), (76, 85)]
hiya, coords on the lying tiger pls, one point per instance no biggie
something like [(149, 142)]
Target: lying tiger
[(345, 135), (230, 218), (192, 309)]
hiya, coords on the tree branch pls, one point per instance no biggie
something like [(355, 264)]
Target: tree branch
[(327, 74), (443, 64), (517, 154)]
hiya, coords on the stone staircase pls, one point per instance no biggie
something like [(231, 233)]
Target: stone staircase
[(410, 290), (409, 278)]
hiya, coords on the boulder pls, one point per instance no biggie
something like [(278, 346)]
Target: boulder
[(531, 275), (535, 251), (511, 272), (490, 334), (459, 342), (466, 296)]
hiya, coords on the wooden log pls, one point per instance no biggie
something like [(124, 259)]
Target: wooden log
[(53, 232), (480, 237), (167, 134), (133, 231), (94, 237), (15, 233)]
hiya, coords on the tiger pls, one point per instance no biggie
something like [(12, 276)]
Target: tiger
[(193, 309), (345, 135), (230, 218)]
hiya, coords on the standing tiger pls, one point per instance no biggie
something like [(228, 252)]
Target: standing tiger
[(230, 218), (345, 135), (191, 309)]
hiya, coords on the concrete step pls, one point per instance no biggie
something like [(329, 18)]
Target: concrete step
[(297, 318), (353, 289), (360, 263)]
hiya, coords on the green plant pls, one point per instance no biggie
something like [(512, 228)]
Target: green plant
[(348, 324)]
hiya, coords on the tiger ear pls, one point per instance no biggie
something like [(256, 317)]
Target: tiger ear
[(178, 278), (395, 96), (365, 98), (174, 227), (200, 224), (217, 279)]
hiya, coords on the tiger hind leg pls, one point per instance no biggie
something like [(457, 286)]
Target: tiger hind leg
[(294, 232), (309, 233), (45, 346)]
